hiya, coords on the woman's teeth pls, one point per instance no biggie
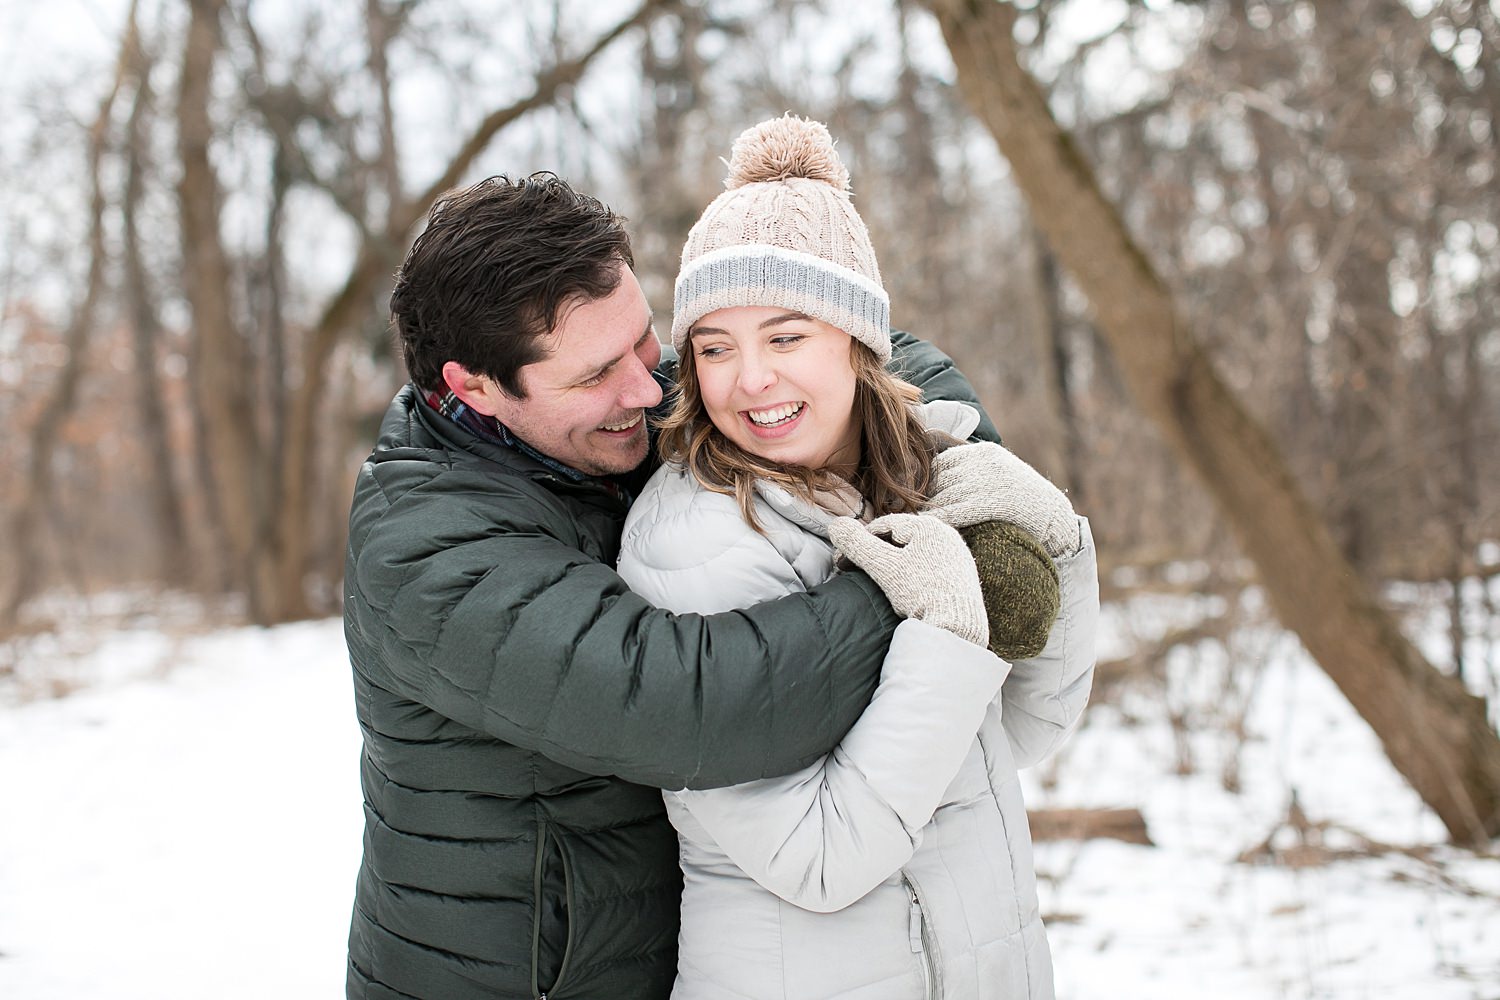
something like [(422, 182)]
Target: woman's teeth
[(775, 415)]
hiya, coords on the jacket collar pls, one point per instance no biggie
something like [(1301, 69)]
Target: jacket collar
[(844, 501), (491, 429), (412, 423)]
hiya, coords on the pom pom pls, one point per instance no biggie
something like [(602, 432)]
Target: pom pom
[(782, 148)]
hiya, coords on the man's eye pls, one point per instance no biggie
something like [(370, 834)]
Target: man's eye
[(589, 383)]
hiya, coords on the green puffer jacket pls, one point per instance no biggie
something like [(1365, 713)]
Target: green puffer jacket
[(521, 708)]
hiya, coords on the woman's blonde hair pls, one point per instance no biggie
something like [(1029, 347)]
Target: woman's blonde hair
[(895, 458)]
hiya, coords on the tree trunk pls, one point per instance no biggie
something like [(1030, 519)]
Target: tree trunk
[(1043, 324), (25, 563), (174, 562), (220, 363), (1435, 733)]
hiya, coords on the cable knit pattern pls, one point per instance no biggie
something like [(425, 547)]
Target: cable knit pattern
[(785, 233)]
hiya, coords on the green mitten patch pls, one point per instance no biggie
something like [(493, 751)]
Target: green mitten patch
[(1020, 585)]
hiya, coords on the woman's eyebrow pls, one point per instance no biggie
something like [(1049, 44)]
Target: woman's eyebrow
[(790, 317)]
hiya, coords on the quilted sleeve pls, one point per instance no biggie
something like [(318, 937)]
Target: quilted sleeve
[(476, 603), (1044, 696), (823, 837)]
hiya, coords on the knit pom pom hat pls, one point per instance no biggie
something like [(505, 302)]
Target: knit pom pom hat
[(784, 233)]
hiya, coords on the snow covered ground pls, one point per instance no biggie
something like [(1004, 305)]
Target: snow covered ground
[(186, 825), (188, 833)]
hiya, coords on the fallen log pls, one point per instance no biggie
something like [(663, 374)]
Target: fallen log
[(1127, 825)]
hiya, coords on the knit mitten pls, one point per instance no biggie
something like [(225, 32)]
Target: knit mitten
[(1020, 586), (984, 482), (923, 566)]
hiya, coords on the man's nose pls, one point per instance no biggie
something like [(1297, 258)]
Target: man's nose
[(641, 391)]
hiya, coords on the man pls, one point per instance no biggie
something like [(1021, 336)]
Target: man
[(521, 708)]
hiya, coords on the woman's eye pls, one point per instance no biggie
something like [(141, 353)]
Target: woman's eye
[(710, 352), (787, 340)]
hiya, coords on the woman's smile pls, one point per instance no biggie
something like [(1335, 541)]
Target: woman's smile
[(775, 421), (779, 384)]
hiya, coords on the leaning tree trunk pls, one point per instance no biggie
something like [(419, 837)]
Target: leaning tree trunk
[(1435, 733)]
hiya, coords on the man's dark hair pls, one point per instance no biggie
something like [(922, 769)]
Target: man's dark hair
[(494, 269)]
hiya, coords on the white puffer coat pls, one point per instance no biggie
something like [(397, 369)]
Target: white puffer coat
[(899, 866)]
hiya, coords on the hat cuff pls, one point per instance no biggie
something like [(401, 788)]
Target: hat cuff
[(761, 275)]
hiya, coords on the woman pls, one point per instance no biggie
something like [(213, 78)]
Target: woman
[(898, 866)]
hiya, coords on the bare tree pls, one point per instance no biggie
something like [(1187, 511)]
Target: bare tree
[(665, 162), (168, 522), (262, 444), (38, 482), (377, 256), (1437, 734), (220, 360)]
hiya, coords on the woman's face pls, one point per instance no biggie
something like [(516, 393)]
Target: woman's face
[(778, 384)]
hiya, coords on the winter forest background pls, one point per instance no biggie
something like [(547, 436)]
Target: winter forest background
[(1226, 270)]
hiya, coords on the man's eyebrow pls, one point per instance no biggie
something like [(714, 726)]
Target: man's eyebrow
[(604, 368)]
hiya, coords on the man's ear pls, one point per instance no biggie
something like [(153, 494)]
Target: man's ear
[(479, 393)]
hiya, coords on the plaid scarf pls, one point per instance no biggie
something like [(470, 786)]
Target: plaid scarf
[(492, 430)]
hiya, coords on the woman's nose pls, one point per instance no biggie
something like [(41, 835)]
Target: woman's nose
[(757, 374)]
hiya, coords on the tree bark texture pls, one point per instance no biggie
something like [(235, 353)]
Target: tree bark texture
[(221, 371), (174, 564), (1435, 733), (38, 483)]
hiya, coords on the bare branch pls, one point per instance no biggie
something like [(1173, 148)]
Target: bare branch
[(38, 482), (377, 257)]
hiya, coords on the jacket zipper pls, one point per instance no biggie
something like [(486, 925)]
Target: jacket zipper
[(562, 970), (548, 836), (919, 935)]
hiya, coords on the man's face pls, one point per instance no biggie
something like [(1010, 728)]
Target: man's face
[(586, 400)]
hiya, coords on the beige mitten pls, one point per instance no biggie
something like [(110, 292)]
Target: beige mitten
[(924, 567), (984, 482)]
